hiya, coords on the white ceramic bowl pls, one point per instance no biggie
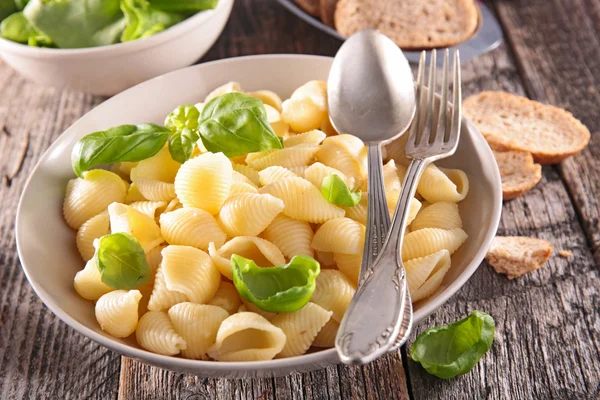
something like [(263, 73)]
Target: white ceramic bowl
[(108, 70), (47, 245)]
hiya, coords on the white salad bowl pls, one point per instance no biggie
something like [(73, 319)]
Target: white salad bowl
[(46, 244), (107, 70)]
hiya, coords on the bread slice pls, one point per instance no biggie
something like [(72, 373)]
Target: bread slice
[(519, 172), (511, 122), (313, 7), (328, 11), (412, 24), (517, 255)]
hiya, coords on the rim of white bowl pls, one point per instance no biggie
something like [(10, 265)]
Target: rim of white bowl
[(118, 48), (178, 363)]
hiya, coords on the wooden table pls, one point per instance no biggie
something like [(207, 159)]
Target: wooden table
[(547, 341)]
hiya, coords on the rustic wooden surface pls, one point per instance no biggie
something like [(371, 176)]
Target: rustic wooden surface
[(547, 323)]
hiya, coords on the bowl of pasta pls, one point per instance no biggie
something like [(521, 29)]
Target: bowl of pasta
[(218, 228)]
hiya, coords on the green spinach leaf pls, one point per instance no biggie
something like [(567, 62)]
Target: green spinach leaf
[(118, 144), (122, 262), (143, 21), (236, 124), (335, 190), (184, 5), (77, 23), (285, 288), (451, 350), (181, 144)]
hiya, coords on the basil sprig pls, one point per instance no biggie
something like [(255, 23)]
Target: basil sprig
[(183, 122), (284, 288), (236, 124), (122, 262), (122, 143), (450, 350), (335, 190)]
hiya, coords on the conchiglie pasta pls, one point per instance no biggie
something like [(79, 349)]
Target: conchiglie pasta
[(344, 153), (94, 228), (162, 298), (449, 185), (117, 312), (156, 333), (150, 208), (349, 264), (154, 176), (247, 336), (229, 87), (273, 174), (127, 219), (88, 282), (134, 194), (88, 196), (310, 138), (191, 227), (431, 240), (251, 307), (318, 171), (438, 215), (205, 182), (326, 336), (303, 201), (334, 292), (326, 259), (359, 211), (300, 328), (248, 214), (248, 172), (190, 271), (340, 235), (291, 236), (287, 157), (197, 324), (227, 297), (420, 270), (302, 115), (262, 252), (242, 187), (268, 98), (274, 118), (241, 178)]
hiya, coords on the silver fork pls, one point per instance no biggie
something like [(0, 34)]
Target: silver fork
[(427, 142)]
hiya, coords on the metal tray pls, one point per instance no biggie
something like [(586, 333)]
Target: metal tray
[(487, 37)]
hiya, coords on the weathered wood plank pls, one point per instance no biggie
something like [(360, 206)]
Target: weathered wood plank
[(40, 357)]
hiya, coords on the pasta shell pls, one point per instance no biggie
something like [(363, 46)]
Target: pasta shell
[(127, 219), (318, 171), (156, 333), (344, 153), (279, 126), (229, 87), (251, 307), (349, 264), (418, 270), (134, 194), (262, 252), (227, 297), (291, 236), (340, 235), (92, 229), (197, 324), (443, 185), (247, 336), (300, 328), (117, 312), (248, 214), (155, 190), (311, 138), (273, 174), (239, 177), (302, 200), (359, 211), (88, 196), (154, 176), (268, 97), (431, 240), (88, 282), (326, 336), (191, 227), (241, 187), (302, 114), (286, 157), (248, 172), (150, 208), (162, 298), (334, 292), (204, 182), (438, 215), (190, 271), (325, 258)]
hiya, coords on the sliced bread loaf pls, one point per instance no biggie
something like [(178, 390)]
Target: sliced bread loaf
[(519, 172)]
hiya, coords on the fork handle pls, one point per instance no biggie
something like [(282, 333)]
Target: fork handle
[(374, 316)]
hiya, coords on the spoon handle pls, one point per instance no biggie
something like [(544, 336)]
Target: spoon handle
[(374, 317)]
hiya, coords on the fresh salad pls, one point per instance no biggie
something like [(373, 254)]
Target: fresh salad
[(70, 24)]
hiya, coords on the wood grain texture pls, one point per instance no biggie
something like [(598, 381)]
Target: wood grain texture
[(40, 357)]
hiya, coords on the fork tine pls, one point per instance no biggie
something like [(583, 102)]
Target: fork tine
[(440, 132), (428, 124), (457, 106), (414, 131)]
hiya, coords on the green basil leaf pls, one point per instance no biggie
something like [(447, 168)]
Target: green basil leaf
[(142, 21), (7, 7), (236, 124), (451, 350), (16, 28), (181, 117), (21, 4), (181, 144), (122, 262), (118, 144), (184, 5), (335, 190), (285, 288)]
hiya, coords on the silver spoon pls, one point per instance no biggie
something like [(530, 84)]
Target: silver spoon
[(371, 96)]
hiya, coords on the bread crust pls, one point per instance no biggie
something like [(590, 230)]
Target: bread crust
[(517, 255), (518, 171)]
